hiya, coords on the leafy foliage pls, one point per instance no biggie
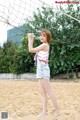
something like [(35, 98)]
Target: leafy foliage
[(64, 46), (7, 57), (23, 60)]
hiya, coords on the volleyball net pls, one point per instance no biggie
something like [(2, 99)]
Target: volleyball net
[(16, 12)]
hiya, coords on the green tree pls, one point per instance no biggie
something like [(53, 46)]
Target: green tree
[(65, 44), (7, 53), (23, 60)]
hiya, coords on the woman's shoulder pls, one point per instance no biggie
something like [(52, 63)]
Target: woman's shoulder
[(46, 47), (45, 44)]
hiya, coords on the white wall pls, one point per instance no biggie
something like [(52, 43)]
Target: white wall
[(25, 76)]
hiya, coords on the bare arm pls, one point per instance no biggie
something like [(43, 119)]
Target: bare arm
[(36, 49), (30, 45)]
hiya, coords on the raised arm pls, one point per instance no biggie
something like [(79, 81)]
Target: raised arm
[(30, 44)]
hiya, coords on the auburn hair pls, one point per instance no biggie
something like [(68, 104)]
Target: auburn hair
[(48, 34)]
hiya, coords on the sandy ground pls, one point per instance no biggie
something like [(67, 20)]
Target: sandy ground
[(22, 100)]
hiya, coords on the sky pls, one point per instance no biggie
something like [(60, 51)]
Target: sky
[(16, 11)]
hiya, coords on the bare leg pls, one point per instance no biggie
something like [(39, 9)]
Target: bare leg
[(44, 99), (51, 93)]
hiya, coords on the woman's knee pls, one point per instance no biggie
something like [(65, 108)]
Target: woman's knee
[(42, 89), (47, 86), (43, 93)]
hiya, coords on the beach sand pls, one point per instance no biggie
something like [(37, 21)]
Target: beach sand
[(22, 100)]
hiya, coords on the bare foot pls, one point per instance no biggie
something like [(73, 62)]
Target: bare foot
[(41, 115), (57, 113)]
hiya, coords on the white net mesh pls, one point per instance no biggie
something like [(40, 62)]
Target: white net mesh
[(15, 12)]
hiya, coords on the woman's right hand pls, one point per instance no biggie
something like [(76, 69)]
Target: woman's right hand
[(30, 36)]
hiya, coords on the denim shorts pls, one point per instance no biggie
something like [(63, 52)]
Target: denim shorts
[(43, 70)]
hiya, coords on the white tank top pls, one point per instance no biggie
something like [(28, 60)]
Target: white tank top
[(43, 55)]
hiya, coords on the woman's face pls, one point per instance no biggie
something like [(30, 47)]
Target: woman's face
[(43, 37)]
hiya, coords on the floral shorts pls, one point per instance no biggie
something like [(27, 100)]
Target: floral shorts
[(43, 70)]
